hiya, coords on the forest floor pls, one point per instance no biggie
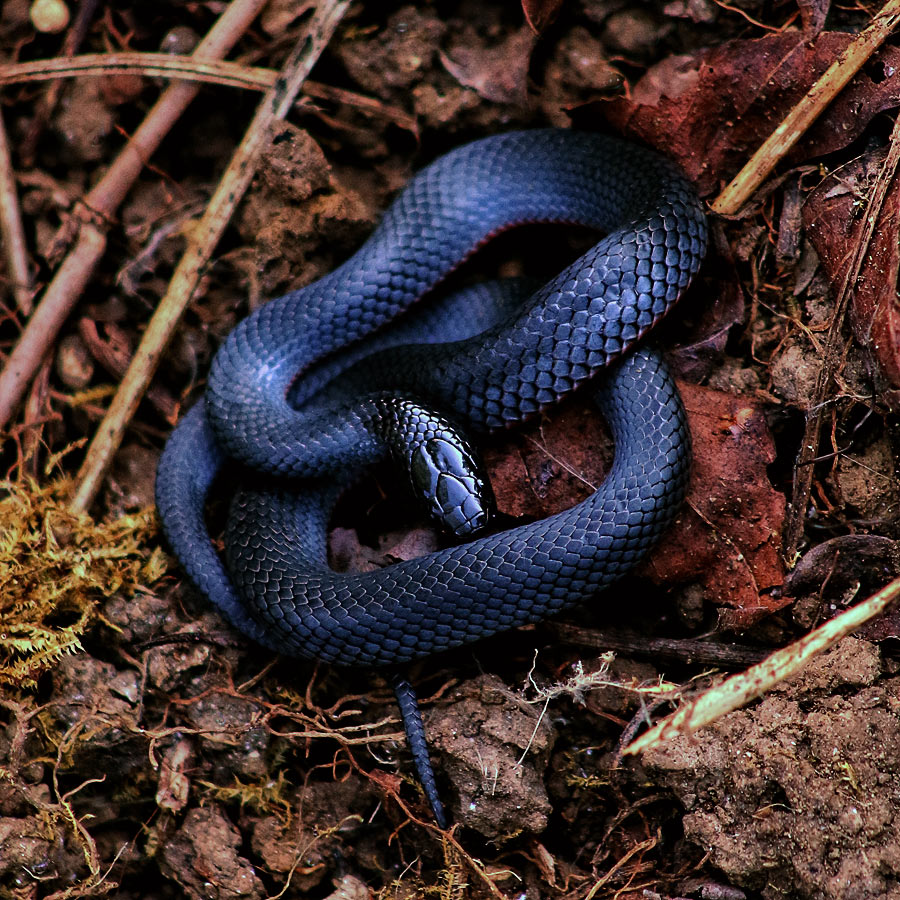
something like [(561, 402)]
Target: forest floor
[(147, 750)]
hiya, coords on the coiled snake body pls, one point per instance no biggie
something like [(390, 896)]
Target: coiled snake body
[(277, 587)]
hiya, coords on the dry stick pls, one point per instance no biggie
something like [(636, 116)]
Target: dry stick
[(804, 468), (664, 650), (274, 105), (64, 290), (11, 229), (188, 68), (741, 689), (35, 418), (817, 98)]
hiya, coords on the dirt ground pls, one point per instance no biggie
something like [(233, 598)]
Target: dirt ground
[(147, 750)]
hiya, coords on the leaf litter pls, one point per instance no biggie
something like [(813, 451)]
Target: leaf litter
[(264, 775)]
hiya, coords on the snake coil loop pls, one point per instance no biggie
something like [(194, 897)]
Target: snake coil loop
[(277, 587)]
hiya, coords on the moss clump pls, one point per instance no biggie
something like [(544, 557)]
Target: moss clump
[(55, 565)]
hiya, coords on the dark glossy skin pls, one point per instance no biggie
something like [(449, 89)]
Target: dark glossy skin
[(278, 588)]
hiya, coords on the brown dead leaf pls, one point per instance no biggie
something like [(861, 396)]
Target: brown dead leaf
[(813, 14), (539, 14), (410, 544), (174, 784), (834, 221), (728, 536), (695, 358), (712, 110), (347, 554), (555, 463), (498, 73)]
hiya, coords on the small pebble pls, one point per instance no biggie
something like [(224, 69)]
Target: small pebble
[(74, 364), (179, 41), (49, 16)]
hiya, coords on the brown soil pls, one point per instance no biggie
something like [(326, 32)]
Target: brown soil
[(201, 766)]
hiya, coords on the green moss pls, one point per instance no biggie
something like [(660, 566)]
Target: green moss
[(55, 566)]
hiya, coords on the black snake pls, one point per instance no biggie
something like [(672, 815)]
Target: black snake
[(275, 406)]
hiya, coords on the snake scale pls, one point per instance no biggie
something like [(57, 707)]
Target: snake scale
[(278, 404)]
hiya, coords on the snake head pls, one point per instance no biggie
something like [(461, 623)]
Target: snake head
[(448, 479), (447, 476)]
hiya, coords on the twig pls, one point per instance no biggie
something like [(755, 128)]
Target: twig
[(115, 356), (11, 229), (275, 104), (189, 68), (736, 194), (34, 419), (740, 689), (102, 201), (747, 17), (663, 650), (804, 468), (641, 847)]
